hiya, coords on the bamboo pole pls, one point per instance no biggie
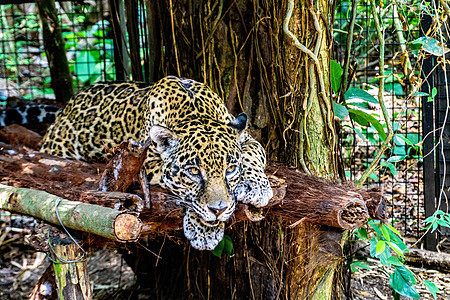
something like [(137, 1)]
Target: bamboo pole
[(99, 220)]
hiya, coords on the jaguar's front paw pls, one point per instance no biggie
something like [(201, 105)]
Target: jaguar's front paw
[(254, 189), (202, 236)]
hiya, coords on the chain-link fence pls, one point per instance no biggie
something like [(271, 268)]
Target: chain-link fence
[(400, 176), (88, 30), (24, 71)]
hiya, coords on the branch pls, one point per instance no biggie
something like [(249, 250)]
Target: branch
[(345, 78), (99, 220), (387, 120)]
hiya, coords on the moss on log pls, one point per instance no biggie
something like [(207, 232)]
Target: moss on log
[(99, 220)]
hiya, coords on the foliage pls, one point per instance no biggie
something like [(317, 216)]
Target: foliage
[(439, 218), (387, 246), (225, 245), (356, 106), (89, 64), (358, 110)]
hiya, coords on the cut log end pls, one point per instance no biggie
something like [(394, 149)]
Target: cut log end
[(127, 227), (353, 215)]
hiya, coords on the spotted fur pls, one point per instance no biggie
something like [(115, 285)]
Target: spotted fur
[(30, 114), (200, 153)]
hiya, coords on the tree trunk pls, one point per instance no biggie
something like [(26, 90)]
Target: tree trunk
[(271, 60), (56, 53)]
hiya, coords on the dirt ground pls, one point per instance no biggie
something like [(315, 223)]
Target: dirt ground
[(374, 284), (21, 267)]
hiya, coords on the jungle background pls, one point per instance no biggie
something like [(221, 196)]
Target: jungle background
[(235, 47)]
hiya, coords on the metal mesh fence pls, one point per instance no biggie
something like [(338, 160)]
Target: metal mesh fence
[(24, 72), (400, 176), (88, 34)]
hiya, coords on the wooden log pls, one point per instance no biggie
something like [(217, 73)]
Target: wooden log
[(375, 202), (429, 259), (114, 200), (17, 135), (99, 220), (124, 167), (297, 197), (315, 200), (70, 268), (45, 288)]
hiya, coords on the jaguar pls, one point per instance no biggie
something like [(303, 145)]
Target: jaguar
[(199, 152)]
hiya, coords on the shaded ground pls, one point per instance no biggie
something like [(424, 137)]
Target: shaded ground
[(374, 284), (21, 267)]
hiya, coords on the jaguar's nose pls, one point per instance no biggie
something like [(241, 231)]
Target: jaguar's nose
[(217, 207), (217, 211)]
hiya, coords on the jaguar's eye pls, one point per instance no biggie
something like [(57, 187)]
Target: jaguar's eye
[(232, 170), (193, 171)]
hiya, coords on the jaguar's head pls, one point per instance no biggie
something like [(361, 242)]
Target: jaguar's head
[(201, 166)]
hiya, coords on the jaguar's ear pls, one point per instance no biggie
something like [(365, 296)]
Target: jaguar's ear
[(163, 138), (239, 123)]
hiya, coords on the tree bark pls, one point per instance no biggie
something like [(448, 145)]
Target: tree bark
[(70, 268), (430, 259), (112, 224), (271, 60), (56, 53)]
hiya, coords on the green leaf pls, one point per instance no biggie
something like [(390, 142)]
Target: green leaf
[(354, 93), (431, 287), (363, 117), (373, 176), (431, 45), (340, 111), (361, 265), (395, 88), (363, 232), (380, 247), (85, 64), (392, 168), (396, 158), (361, 120), (396, 248), (362, 105), (419, 94), (414, 138), (392, 228), (228, 245), (433, 92), (385, 232), (402, 281), (394, 261), (373, 250), (219, 248), (335, 76), (404, 139)]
